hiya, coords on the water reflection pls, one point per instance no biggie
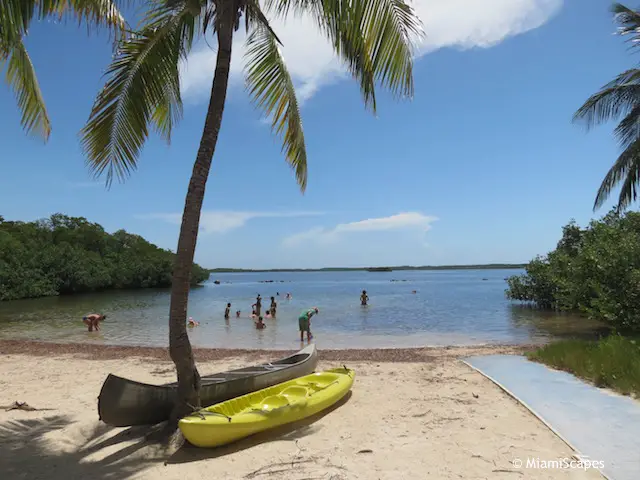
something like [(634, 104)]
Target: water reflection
[(543, 325)]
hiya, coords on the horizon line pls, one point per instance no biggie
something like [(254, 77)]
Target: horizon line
[(495, 266)]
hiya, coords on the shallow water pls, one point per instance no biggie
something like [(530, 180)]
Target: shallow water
[(452, 307)]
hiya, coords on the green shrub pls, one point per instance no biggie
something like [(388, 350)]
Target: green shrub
[(64, 255), (594, 271)]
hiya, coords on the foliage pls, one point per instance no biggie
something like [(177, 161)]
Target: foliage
[(619, 99), (15, 20), (594, 271), (64, 255), (612, 362), (375, 38)]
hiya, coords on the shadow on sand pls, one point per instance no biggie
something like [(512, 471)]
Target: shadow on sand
[(57, 448), (39, 448), (291, 432)]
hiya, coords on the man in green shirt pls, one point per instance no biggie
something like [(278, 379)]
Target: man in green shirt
[(304, 322)]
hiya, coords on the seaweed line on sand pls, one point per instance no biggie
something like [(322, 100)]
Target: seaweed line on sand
[(112, 352)]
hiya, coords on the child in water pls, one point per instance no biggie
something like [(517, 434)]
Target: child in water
[(364, 298), (227, 311), (237, 313), (274, 305), (193, 323), (260, 324)]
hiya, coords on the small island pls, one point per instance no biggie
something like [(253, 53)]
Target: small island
[(379, 269)]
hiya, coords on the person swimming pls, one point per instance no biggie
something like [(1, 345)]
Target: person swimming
[(258, 304), (237, 313), (92, 321), (364, 298), (227, 311), (288, 296), (192, 322), (274, 306), (260, 324), (304, 323)]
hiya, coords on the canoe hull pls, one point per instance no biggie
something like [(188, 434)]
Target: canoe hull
[(279, 405), (124, 402)]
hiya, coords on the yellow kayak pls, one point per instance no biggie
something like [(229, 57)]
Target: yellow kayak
[(264, 409)]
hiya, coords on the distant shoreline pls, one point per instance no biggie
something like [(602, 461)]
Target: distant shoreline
[(489, 266)]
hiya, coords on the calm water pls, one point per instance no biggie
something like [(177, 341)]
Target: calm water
[(454, 307)]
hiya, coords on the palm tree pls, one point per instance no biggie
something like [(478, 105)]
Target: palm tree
[(373, 37), (619, 98), (15, 19)]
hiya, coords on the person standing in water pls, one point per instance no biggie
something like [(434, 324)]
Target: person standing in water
[(364, 298), (227, 311), (258, 305), (304, 322), (260, 324), (274, 306), (92, 321)]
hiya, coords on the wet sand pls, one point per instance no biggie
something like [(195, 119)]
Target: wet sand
[(412, 414)]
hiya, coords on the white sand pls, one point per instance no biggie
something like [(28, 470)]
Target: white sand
[(419, 421)]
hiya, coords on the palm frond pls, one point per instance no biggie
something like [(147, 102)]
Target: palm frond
[(628, 130), (375, 38), (271, 88), (21, 77), (629, 21), (629, 188), (624, 169), (390, 28), (143, 90), (255, 16), (14, 21), (98, 13), (614, 100)]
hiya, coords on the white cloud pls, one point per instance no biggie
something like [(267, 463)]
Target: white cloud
[(221, 221), (400, 221), (447, 23)]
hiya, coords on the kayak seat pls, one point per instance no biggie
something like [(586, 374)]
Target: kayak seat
[(272, 402), (295, 392), (320, 380)]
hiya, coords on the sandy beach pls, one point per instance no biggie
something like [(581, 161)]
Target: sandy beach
[(412, 414)]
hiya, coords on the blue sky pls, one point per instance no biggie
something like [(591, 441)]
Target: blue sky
[(482, 166)]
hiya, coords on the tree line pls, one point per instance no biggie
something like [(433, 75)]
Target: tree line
[(594, 271), (64, 255), (487, 266)]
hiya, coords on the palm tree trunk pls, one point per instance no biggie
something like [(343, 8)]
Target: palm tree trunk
[(179, 345)]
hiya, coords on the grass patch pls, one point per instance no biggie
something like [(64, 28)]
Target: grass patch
[(612, 362)]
